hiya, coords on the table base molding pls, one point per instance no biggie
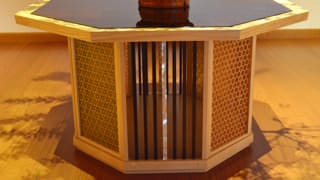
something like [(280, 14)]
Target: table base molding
[(160, 166)]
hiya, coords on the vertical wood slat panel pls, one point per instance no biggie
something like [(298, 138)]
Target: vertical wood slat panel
[(147, 128), (184, 100), (154, 98), (189, 108), (145, 96), (174, 101), (167, 64), (179, 105), (170, 145), (194, 98), (184, 117), (185, 120), (139, 67), (134, 101), (198, 94)]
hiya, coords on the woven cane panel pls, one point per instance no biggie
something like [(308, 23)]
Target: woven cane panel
[(95, 70), (231, 90)]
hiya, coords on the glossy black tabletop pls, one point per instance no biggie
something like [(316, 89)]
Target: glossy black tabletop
[(127, 14)]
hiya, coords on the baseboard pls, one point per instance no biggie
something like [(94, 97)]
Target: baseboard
[(19, 37), (292, 34)]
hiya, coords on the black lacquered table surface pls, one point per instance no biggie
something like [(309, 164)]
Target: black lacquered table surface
[(125, 13)]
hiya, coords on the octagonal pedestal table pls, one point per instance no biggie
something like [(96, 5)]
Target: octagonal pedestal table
[(161, 90)]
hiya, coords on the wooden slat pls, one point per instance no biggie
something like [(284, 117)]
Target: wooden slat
[(194, 97), (184, 100), (134, 101), (174, 100), (155, 101)]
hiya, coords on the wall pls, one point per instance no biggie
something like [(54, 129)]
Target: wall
[(7, 10), (313, 21), (9, 7)]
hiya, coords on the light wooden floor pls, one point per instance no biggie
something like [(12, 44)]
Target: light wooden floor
[(36, 117)]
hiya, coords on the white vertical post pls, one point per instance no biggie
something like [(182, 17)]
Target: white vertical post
[(254, 40), (207, 99), (75, 101), (164, 98)]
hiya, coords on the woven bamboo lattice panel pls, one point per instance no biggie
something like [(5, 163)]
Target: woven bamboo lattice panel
[(95, 70), (230, 90)]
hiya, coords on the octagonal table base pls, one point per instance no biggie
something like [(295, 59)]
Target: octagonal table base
[(145, 107)]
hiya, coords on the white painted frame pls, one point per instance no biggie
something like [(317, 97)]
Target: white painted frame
[(207, 98)]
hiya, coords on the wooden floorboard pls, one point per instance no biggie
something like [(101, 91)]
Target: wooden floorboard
[(36, 117), (35, 37)]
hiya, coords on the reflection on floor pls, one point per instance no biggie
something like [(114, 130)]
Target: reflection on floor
[(36, 117)]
